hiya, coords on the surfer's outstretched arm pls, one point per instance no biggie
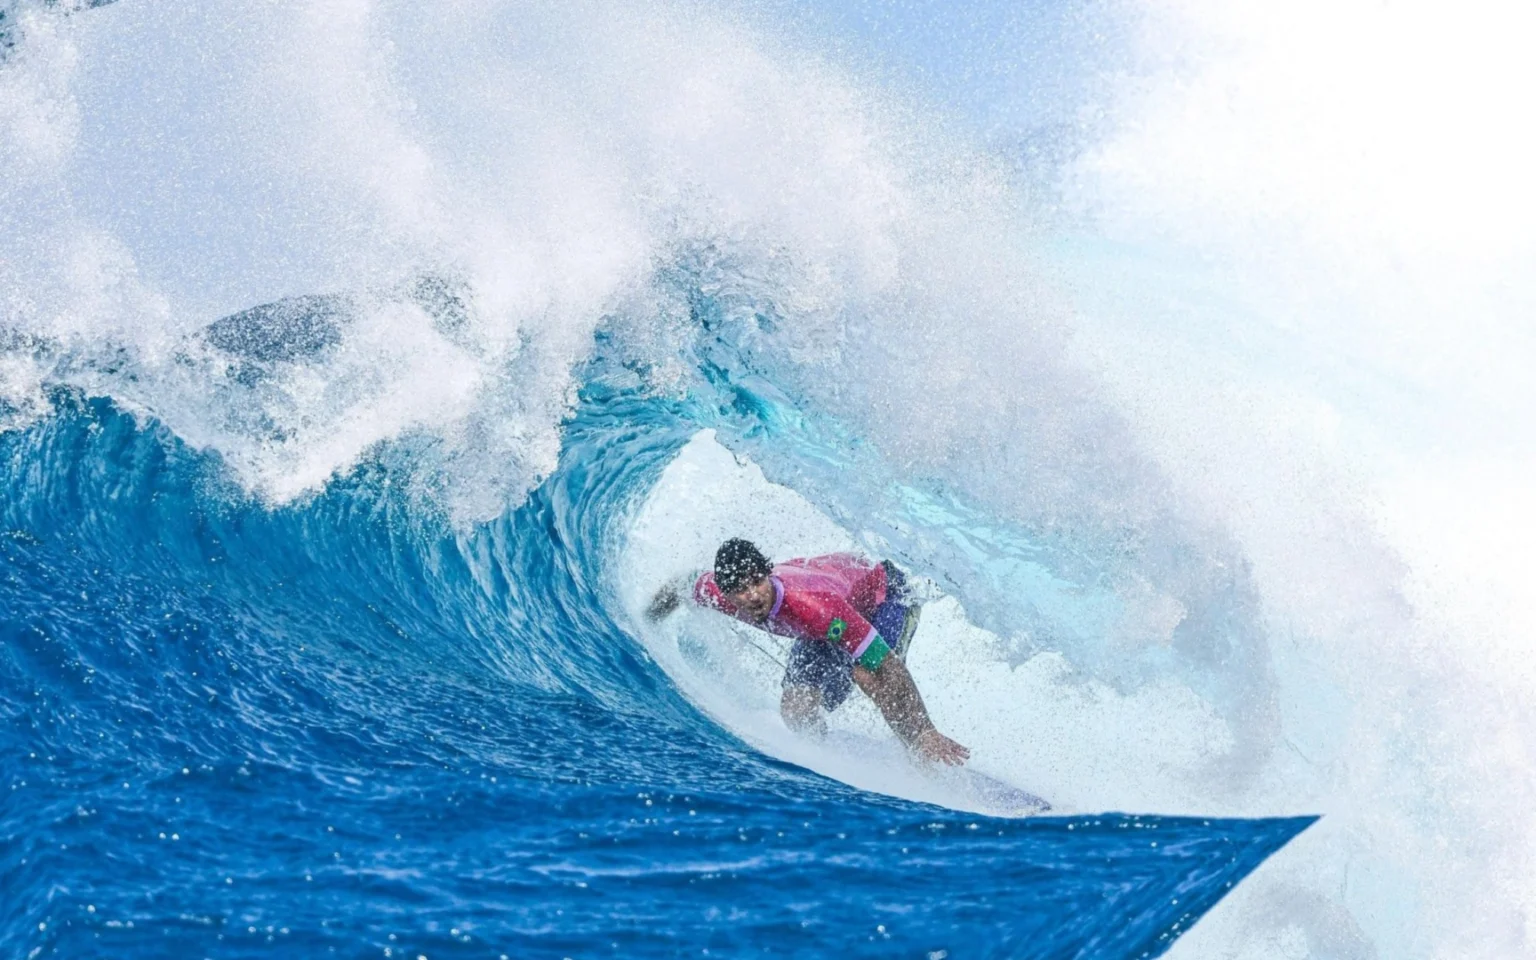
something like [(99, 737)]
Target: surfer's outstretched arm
[(894, 692), (662, 604), (669, 597)]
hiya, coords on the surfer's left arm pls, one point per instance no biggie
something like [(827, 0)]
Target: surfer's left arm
[(892, 689)]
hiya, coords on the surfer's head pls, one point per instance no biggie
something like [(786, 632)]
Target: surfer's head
[(741, 573)]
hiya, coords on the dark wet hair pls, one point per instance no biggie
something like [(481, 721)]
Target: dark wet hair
[(739, 564)]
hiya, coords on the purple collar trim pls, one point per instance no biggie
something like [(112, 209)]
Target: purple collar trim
[(778, 597)]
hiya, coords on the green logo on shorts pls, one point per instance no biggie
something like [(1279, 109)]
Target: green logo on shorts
[(835, 632)]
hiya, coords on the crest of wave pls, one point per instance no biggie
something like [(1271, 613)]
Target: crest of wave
[(180, 163)]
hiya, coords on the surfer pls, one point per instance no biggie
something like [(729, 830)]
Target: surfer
[(851, 620)]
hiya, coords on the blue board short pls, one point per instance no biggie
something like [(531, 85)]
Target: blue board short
[(827, 666)]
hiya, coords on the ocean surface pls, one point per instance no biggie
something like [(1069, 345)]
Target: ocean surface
[(365, 367)]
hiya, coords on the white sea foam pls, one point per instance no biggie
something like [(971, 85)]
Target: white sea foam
[(1315, 312)]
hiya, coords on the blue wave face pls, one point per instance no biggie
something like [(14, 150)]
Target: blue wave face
[(351, 724)]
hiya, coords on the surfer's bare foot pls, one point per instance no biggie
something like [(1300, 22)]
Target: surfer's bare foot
[(936, 747)]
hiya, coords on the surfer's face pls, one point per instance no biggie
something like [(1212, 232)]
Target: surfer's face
[(755, 599)]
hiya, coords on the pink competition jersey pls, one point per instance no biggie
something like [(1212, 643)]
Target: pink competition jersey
[(823, 598)]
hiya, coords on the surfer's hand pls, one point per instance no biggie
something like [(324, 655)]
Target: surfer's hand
[(662, 604), (936, 747)]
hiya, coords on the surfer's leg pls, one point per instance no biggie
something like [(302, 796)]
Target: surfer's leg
[(800, 706), (824, 666)]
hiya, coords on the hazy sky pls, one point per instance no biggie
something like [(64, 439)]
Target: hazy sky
[(1009, 66)]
